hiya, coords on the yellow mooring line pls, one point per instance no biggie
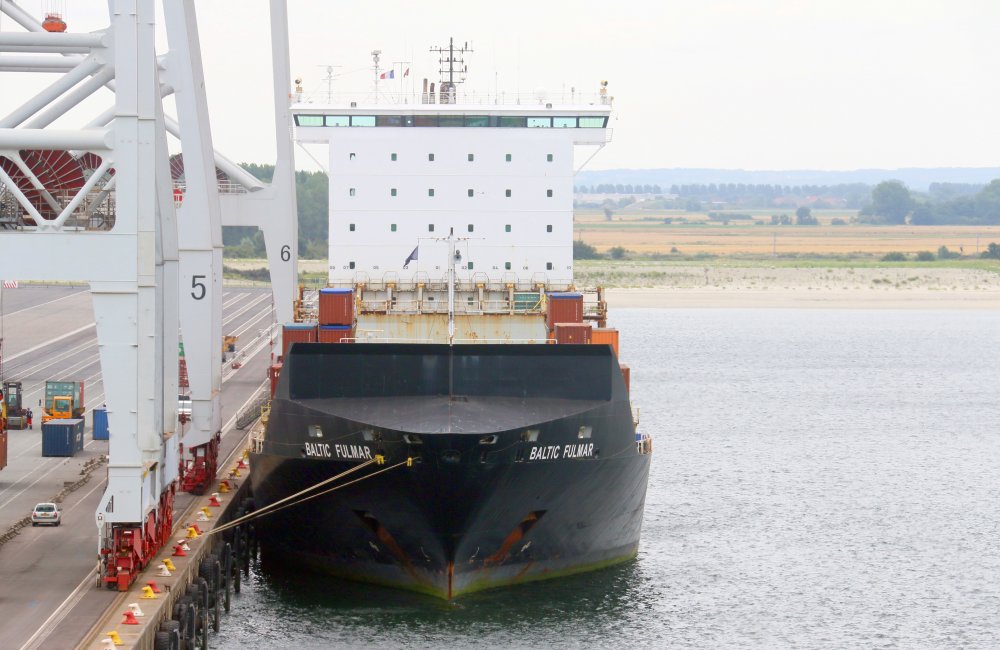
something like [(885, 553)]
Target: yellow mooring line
[(274, 507)]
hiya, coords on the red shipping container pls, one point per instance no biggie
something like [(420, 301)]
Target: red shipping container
[(564, 308), (336, 306), (573, 333), (297, 333), (273, 373), (606, 336), (627, 374), (335, 333)]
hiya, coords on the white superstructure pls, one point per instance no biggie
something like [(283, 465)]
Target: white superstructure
[(500, 177)]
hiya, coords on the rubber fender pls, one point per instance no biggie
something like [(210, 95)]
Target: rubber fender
[(161, 641)]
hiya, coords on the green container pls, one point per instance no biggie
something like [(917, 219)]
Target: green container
[(527, 301)]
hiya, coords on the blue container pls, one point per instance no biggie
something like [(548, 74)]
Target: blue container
[(565, 295), (101, 424), (62, 437), (335, 290)]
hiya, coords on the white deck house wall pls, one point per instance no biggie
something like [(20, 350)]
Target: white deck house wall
[(395, 188)]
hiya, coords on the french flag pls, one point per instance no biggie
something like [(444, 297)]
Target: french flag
[(388, 75)]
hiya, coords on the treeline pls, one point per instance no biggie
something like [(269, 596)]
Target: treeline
[(312, 196), (945, 203)]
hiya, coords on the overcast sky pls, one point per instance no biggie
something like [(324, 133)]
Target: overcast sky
[(753, 84)]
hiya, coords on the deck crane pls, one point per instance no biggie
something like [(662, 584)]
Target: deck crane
[(105, 194)]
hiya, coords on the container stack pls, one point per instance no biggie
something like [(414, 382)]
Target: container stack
[(564, 318), (336, 315), (101, 424), (62, 437), (296, 333)]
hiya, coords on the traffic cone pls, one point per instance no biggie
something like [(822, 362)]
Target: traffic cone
[(115, 639), (147, 593), (107, 644), (134, 607), (208, 513), (179, 551), (170, 565), (235, 472), (152, 585), (243, 463), (164, 571), (202, 517), (213, 500), (192, 532), (129, 618), (224, 487), (196, 529)]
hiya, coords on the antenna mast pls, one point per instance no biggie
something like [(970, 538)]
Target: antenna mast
[(454, 58)]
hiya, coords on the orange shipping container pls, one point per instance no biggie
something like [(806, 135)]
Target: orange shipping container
[(336, 306), (605, 336), (335, 333), (627, 374), (564, 308), (297, 333), (572, 333)]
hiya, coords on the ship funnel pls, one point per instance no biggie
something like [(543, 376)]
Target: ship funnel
[(433, 101), (424, 97)]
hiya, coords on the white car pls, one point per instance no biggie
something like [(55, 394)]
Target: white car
[(46, 513)]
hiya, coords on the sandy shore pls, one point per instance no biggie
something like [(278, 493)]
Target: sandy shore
[(796, 288)]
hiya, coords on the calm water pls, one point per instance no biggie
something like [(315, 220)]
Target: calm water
[(821, 479)]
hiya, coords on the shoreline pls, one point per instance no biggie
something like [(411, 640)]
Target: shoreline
[(780, 298)]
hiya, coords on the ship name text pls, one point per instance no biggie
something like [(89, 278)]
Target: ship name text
[(344, 452), (555, 452)]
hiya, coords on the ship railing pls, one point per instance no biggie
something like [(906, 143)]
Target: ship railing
[(407, 97), (385, 339), (396, 306), (503, 341)]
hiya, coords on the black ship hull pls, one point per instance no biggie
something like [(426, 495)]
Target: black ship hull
[(523, 464)]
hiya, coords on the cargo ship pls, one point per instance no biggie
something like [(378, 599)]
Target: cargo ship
[(451, 414)]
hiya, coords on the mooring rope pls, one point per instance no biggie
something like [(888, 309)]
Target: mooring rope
[(282, 504)]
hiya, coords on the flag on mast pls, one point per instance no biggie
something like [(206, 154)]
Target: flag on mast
[(388, 75), (412, 256), (407, 73)]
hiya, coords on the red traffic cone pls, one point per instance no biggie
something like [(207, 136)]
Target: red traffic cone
[(129, 619), (152, 585), (214, 501), (196, 529), (179, 551)]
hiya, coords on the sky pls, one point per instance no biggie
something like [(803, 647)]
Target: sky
[(751, 84)]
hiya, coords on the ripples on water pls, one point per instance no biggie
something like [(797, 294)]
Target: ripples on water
[(821, 479)]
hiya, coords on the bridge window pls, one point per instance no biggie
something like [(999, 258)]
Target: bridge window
[(451, 120), (477, 120), (389, 120), (308, 120), (362, 120), (425, 120), (508, 121), (593, 122), (539, 122), (338, 120), (564, 122)]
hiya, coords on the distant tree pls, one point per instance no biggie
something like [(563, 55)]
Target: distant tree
[(608, 213), (619, 189), (987, 203), (891, 200), (804, 217), (692, 206), (837, 221), (617, 253), (894, 257), (583, 251), (946, 254), (924, 214), (992, 251), (925, 256)]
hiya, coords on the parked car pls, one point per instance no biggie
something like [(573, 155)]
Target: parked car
[(46, 513)]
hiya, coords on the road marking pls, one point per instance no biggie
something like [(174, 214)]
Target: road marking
[(60, 612), (50, 342), (77, 293)]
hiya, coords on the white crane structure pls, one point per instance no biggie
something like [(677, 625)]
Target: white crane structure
[(103, 204)]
